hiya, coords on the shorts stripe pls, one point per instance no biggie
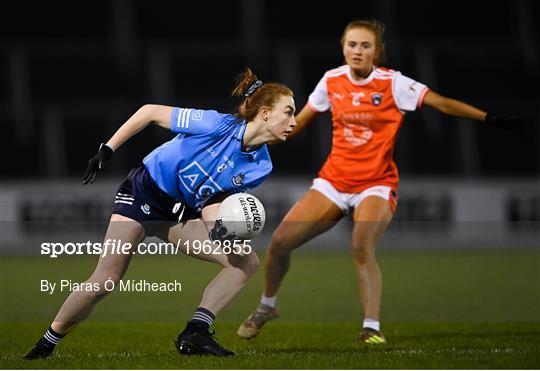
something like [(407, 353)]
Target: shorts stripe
[(123, 194), (123, 202), (125, 198)]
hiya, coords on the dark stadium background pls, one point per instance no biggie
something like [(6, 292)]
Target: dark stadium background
[(460, 261), (71, 72)]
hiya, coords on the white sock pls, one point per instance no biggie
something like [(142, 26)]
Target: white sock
[(372, 323), (270, 301)]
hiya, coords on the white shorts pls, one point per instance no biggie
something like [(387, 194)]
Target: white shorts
[(348, 201)]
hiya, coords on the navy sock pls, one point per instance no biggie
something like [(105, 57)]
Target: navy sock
[(50, 338), (203, 318)]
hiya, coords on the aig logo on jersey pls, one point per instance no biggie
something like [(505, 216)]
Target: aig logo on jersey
[(376, 98), (192, 178)]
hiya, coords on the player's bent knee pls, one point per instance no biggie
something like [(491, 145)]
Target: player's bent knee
[(251, 264), (280, 244), (248, 264)]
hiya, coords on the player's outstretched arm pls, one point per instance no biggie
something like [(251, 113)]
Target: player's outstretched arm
[(158, 114), (145, 115), (453, 107), (457, 108)]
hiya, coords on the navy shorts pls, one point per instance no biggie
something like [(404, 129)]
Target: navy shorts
[(139, 198)]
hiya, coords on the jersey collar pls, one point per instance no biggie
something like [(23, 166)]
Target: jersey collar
[(252, 155), (365, 81)]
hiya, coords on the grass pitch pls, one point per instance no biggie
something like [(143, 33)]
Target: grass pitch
[(440, 309)]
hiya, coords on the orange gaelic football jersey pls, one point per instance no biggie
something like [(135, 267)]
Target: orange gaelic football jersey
[(366, 116)]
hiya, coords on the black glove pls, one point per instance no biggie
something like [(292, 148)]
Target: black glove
[(506, 123), (220, 233), (96, 163)]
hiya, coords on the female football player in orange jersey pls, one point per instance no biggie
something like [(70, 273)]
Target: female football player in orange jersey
[(360, 176)]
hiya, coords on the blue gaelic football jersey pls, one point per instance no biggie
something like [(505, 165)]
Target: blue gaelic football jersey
[(206, 157)]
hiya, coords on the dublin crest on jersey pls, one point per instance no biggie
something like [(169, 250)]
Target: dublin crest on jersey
[(238, 180), (376, 98)]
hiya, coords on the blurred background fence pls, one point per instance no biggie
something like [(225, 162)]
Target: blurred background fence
[(431, 214)]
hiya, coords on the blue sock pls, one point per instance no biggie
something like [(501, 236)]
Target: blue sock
[(203, 318), (51, 338)]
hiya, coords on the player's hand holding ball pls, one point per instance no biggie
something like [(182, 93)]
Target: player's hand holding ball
[(97, 163)]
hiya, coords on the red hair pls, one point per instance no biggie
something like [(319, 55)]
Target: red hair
[(265, 95)]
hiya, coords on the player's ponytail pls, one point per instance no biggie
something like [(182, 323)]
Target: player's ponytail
[(256, 94)]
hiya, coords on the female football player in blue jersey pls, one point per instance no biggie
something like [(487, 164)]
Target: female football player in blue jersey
[(176, 192)]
